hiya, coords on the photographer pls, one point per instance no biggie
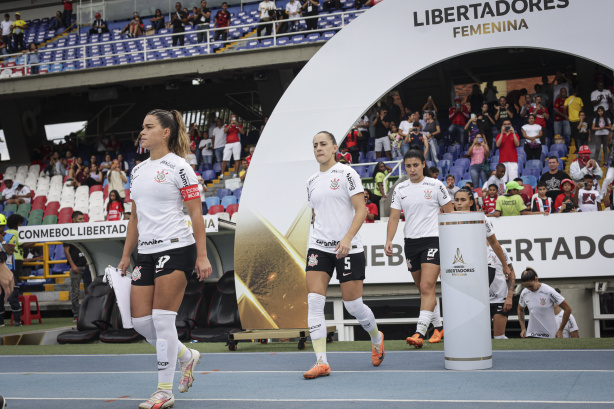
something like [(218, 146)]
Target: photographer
[(507, 142), (568, 206), (267, 12), (478, 151), (567, 186)]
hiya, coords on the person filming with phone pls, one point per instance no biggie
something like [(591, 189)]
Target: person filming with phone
[(478, 151)]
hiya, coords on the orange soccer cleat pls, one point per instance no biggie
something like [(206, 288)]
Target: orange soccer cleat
[(319, 369), (436, 337), (415, 340), (378, 353)]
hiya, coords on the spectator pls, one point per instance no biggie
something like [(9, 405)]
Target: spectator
[(360, 3), (553, 178), (6, 27), (350, 143), (489, 203), (372, 211), (3, 47), (194, 133), (525, 199), (99, 25), (106, 165), (478, 152), (560, 81), (394, 109), (135, 27), (574, 106), (266, 10), (429, 106), (101, 143), (415, 138), (404, 130), (67, 16), (588, 197), (584, 165), (471, 187), (244, 167), (567, 186), (507, 142), (608, 197), (310, 10), (458, 115), (471, 128), (451, 185), (191, 157), (511, 204), (540, 299), (8, 246), (541, 112), (602, 126), (202, 189), (503, 113), (601, 97), (581, 130), (532, 134), (233, 144), (540, 202), (115, 207), (95, 176), (382, 125), (513, 99), (432, 132), (568, 206), (141, 153), (93, 159), (293, 9), (33, 58), (157, 21), (434, 172), (123, 165), (251, 153), (571, 329), (79, 269), (178, 21), (8, 193), (70, 159), (528, 104), (206, 149), (15, 193), (380, 172), (18, 27), (561, 116), (81, 175), (222, 22), (219, 140), (475, 99), (57, 23), (117, 179), (540, 92), (485, 122), (329, 5), (61, 167), (203, 22), (363, 125), (490, 95), (396, 141), (192, 17)]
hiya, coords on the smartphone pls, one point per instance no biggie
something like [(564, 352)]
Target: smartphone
[(472, 116), (479, 140)]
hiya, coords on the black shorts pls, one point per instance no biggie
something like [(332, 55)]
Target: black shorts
[(497, 308), (421, 251), (151, 266), (350, 268)]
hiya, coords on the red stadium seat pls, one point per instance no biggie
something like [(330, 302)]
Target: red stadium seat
[(106, 191), (478, 190), (127, 198), (528, 190), (86, 218), (65, 215), (65, 179), (232, 209), (95, 188), (51, 209), (216, 209), (39, 202)]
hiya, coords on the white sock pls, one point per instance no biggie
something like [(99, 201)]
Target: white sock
[(317, 324), (145, 327), (424, 320), (166, 341), (500, 337), (436, 317), (365, 317)]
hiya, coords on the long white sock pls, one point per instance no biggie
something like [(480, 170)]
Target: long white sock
[(145, 327), (500, 337), (166, 341), (436, 317), (424, 320), (365, 317), (317, 324)]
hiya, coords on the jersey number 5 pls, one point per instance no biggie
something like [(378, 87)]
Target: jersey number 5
[(347, 263)]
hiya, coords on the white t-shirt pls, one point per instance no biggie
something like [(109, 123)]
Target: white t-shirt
[(329, 195), (204, 145), (569, 328), (24, 191), (493, 180), (498, 289), (420, 202), (365, 126), (405, 127), (220, 137), (159, 188), (588, 199), (532, 130), (541, 308), (264, 7), (293, 8), (604, 102), (9, 193), (6, 27)]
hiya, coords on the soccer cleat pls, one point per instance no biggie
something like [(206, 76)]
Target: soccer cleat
[(159, 400), (377, 352), (415, 340), (319, 369), (436, 337), (186, 378)]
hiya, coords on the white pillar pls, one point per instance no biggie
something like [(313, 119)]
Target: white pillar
[(464, 288)]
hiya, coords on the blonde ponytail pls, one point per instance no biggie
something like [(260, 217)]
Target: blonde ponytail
[(178, 141)]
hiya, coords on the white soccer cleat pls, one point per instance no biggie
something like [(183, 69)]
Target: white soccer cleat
[(159, 400), (187, 369)]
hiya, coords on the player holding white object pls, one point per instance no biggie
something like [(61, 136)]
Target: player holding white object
[(421, 198), (501, 278), (540, 299), (336, 196), (571, 329), (168, 252)]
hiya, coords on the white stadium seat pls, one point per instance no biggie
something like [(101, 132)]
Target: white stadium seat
[(53, 196), (34, 170), (234, 217), (22, 169), (223, 216)]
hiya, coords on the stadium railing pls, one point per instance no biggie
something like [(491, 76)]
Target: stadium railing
[(46, 262)]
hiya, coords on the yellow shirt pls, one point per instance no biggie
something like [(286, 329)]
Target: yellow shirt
[(574, 105), (20, 26)]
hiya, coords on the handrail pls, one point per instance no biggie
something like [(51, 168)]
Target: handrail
[(390, 174), (45, 262), (209, 32)]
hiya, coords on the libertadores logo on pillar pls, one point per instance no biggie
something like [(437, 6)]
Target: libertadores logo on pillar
[(459, 267)]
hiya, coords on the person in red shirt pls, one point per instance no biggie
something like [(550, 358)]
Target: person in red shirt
[(344, 154), (458, 115), (113, 145), (561, 116), (567, 186), (233, 144), (540, 111), (490, 201), (351, 142), (372, 211), (525, 198), (67, 15), (251, 153), (507, 142), (115, 207), (222, 20)]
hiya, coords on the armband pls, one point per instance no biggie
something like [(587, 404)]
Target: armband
[(190, 192)]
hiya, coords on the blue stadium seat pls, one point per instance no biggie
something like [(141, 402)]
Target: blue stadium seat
[(222, 193), (217, 167), (463, 182), (212, 201), (449, 156), (529, 180), (209, 175), (228, 200), (532, 172), (370, 156), (445, 164), (534, 163), (237, 193), (464, 162)]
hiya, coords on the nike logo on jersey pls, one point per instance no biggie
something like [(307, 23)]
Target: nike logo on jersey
[(347, 274), (157, 271)]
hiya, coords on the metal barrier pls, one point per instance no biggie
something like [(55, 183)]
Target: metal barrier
[(346, 18), (46, 262)]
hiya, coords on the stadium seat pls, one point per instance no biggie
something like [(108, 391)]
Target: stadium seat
[(65, 215), (464, 162), (7, 213), (24, 209), (209, 175), (232, 209), (449, 157), (52, 209), (215, 209), (228, 200), (223, 216), (528, 190), (217, 167), (222, 193), (234, 217), (445, 165), (237, 193), (212, 201), (11, 208), (50, 219), (534, 163), (117, 333), (529, 180), (532, 171), (191, 306), (371, 156), (462, 182)]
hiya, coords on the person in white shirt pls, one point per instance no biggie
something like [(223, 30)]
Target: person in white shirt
[(540, 300), (5, 26), (589, 198), (191, 158), (293, 8), (421, 198), (601, 97), (532, 133), (22, 195), (218, 139), (206, 149), (8, 194), (168, 251), (495, 179), (571, 329), (335, 194), (265, 9)]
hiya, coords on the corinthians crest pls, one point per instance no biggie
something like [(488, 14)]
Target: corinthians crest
[(334, 184), (313, 260)]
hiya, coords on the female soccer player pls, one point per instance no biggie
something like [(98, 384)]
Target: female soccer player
[(167, 251), (336, 196), (421, 198), (501, 276)]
